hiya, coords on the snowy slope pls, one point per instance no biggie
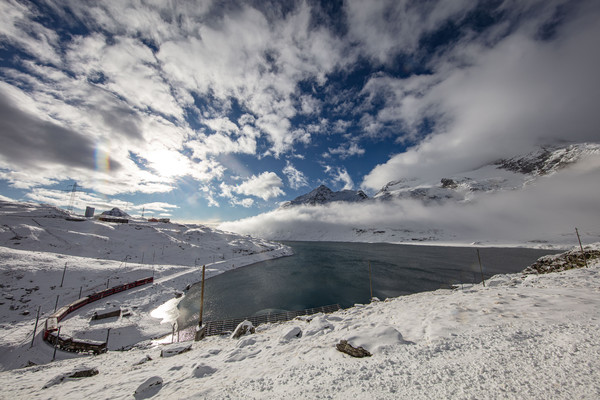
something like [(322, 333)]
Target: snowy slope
[(509, 174), (38, 245), (34, 227), (520, 336)]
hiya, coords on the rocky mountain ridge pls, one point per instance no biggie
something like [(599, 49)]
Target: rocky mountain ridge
[(323, 195), (505, 174)]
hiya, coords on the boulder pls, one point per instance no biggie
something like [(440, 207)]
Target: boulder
[(244, 328), (175, 349), (347, 348)]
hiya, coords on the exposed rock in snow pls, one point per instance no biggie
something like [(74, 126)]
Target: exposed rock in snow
[(116, 212), (202, 370), (81, 372), (549, 159), (347, 348), (175, 349), (324, 195), (148, 388), (243, 328), (509, 174), (294, 333), (564, 261)]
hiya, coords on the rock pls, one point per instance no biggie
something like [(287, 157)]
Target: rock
[(345, 347), (244, 328), (176, 349), (200, 333), (76, 374), (144, 360), (202, 370), (149, 388), (449, 183), (83, 373), (293, 333)]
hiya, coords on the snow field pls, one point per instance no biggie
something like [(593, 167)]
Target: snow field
[(531, 336)]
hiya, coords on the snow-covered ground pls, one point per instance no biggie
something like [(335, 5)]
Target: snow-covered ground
[(36, 243), (520, 336)]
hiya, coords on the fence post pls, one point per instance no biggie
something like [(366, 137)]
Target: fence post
[(202, 297), (370, 283), (36, 324), (581, 247), (63, 277), (480, 267), (80, 289), (56, 304)]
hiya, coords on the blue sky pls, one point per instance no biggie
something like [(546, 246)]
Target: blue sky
[(219, 110)]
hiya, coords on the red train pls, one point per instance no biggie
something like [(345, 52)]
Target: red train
[(58, 315)]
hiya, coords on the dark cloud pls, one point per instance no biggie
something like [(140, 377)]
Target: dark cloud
[(28, 140)]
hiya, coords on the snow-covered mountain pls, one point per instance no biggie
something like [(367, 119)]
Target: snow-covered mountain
[(323, 195), (506, 174), (522, 199)]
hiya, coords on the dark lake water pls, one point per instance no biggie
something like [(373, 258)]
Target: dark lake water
[(322, 273)]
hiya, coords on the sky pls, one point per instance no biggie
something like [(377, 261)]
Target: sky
[(219, 110)]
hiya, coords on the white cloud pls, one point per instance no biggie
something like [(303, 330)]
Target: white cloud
[(347, 150), (82, 199), (265, 186), (4, 198), (296, 178), (494, 102), (209, 195), (384, 28), (132, 88), (156, 206), (340, 175)]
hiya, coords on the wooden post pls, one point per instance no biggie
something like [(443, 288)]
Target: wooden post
[(480, 267), (370, 283), (107, 335), (80, 289), (581, 247), (63, 277), (56, 304), (142, 257), (202, 297), (173, 333), (56, 343), (108, 280), (36, 324)]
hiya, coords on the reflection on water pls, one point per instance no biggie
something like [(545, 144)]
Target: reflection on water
[(322, 273)]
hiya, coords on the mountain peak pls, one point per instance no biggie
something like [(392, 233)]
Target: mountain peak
[(324, 195)]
